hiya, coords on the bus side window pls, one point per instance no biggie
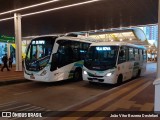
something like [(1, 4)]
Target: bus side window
[(74, 53), (140, 55), (83, 50), (63, 52), (144, 55), (122, 55), (136, 53), (131, 54)]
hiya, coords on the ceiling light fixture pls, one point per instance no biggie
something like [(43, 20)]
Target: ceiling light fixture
[(6, 19), (53, 9), (35, 5), (58, 8)]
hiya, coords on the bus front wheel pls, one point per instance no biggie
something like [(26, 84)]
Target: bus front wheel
[(77, 75)]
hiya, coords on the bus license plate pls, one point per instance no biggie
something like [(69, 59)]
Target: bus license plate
[(32, 77)]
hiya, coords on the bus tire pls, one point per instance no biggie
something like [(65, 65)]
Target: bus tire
[(77, 74), (120, 79), (138, 74)]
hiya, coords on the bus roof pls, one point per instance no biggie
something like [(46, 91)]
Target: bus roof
[(45, 36), (116, 44), (82, 39)]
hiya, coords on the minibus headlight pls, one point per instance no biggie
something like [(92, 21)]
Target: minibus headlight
[(84, 72), (109, 74), (43, 73)]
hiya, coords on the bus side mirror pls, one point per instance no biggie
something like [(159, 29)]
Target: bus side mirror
[(121, 54), (54, 61)]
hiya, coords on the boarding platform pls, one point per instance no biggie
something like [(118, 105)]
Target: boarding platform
[(10, 77)]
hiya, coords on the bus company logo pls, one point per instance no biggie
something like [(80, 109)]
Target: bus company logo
[(6, 114)]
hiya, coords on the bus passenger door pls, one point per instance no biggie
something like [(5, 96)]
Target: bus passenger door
[(124, 66)]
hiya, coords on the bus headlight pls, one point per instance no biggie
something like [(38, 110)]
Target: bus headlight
[(109, 74), (84, 72), (43, 73)]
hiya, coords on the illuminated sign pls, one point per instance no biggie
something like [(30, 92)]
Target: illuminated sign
[(7, 39), (103, 48), (38, 42), (82, 51)]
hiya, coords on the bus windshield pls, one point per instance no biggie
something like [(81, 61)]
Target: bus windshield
[(101, 57), (38, 53)]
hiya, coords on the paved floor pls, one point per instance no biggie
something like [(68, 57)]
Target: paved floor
[(135, 95), (132, 96), (11, 77)]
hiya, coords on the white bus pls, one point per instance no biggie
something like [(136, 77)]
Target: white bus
[(114, 62), (51, 59)]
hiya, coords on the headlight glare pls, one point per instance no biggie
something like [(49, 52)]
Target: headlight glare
[(85, 72), (109, 74)]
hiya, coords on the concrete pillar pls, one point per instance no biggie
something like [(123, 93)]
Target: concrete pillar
[(18, 41), (8, 50), (157, 81)]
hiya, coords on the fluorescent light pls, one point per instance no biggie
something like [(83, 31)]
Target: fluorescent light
[(58, 8), (53, 9), (6, 19), (44, 3), (121, 39)]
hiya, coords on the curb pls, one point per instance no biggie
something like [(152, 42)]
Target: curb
[(10, 82)]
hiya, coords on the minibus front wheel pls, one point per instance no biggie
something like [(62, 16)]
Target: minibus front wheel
[(77, 74), (120, 79)]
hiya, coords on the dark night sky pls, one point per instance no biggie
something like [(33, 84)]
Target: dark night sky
[(98, 15)]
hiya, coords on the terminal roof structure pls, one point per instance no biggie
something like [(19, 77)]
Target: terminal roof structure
[(123, 34), (102, 14), (130, 35)]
